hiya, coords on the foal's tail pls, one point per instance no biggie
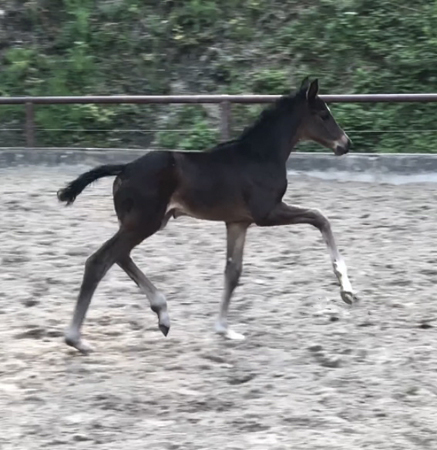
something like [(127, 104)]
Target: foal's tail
[(73, 189)]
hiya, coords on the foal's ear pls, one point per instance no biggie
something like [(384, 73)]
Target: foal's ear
[(313, 90), (305, 83)]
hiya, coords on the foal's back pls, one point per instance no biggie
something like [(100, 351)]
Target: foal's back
[(205, 185)]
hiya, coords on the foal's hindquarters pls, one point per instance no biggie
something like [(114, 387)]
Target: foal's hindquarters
[(141, 195)]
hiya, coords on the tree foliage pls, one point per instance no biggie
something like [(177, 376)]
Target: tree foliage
[(82, 47)]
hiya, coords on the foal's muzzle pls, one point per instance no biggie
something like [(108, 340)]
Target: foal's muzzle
[(342, 146)]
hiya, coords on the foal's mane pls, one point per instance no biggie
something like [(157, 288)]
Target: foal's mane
[(254, 137), (267, 117)]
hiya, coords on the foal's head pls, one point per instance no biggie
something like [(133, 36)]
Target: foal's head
[(317, 123)]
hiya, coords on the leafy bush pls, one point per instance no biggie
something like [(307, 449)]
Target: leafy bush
[(80, 47)]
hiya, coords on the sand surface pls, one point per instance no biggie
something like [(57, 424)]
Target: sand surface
[(312, 374)]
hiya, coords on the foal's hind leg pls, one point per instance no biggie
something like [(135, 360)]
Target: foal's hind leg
[(158, 303), (96, 267), (283, 214), (236, 236)]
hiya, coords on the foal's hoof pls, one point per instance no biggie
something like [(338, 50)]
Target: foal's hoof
[(234, 336), (349, 297), (164, 322), (164, 329), (228, 333), (80, 345)]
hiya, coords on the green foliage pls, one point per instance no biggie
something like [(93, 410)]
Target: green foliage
[(80, 47), (200, 135), (271, 81)]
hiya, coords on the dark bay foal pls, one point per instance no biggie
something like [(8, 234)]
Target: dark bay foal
[(240, 183)]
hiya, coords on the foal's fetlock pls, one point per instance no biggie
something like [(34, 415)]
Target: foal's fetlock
[(75, 341), (348, 297)]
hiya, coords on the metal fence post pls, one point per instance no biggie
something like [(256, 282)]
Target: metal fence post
[(30, 125), (225, 120)]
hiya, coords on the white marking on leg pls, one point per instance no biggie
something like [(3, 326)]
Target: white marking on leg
[(221, 327), (236, 235), (340, 271), (73, 339), (234, 336)]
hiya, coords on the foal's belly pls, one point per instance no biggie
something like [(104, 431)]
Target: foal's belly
[(231, 212), (221, 205), (209, 189)]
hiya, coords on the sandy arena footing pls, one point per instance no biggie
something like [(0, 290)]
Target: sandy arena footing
[(312, 373)]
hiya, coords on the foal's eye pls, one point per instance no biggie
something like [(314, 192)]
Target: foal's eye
[(324, 115)]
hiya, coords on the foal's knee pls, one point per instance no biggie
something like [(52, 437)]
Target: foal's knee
[(233, 272)]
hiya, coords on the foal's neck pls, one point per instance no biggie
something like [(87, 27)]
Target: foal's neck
[(273, 136), (284, 136)]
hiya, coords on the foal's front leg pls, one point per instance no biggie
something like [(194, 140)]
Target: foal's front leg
[(283, 214), (235, 239)]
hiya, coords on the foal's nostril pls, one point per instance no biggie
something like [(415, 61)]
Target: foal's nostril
[(343, 145), (341, 149), (346, 146)]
